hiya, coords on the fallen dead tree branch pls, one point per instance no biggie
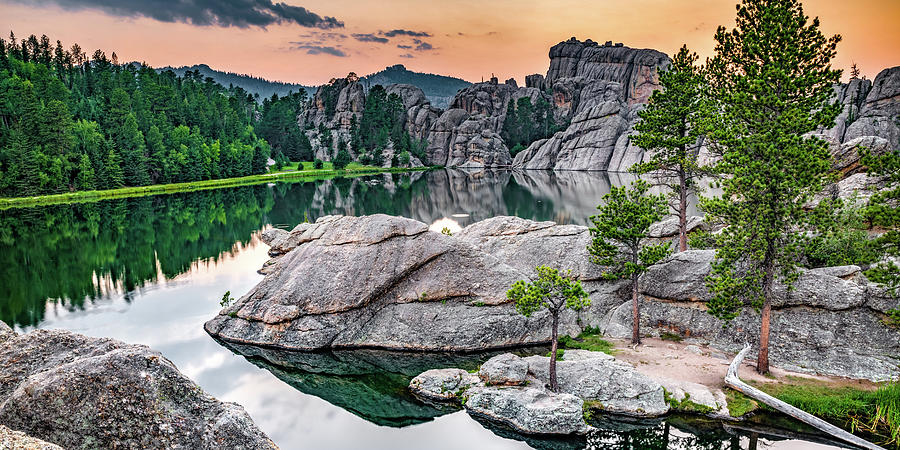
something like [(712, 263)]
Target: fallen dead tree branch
[(732, 381)]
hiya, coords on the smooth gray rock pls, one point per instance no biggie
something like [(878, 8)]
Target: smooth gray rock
[(611, 384), (528, 410), (681, 276), (669, 227), (83, 392), (506, 369), (385, 282), (443, 384)]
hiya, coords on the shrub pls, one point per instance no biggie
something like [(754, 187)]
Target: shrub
[(318, 164)]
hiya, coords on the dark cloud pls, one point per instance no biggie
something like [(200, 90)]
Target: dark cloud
[(369, 37), (393, 33), (312, 49), (422, 46), (223, 13), (404, 46), (408, 55)]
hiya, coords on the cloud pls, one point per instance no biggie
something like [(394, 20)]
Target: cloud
[(404, 46), (408, 55), (369, 37), (393, 33), (223, 13), (422, 46), (312, 49)]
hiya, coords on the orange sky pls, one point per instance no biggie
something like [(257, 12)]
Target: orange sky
[(469, 38)]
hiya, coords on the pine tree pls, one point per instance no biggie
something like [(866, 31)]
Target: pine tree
[(670, 129), (112, 167), (555, 293), (619, 239), (772, 79), (85, 179)]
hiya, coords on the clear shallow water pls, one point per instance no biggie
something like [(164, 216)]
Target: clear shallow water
[(152, 270)]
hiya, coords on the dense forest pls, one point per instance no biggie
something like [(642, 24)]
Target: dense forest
[(72, 122)]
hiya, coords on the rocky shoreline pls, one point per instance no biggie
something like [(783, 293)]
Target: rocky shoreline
[(387, 282), (82, 392)]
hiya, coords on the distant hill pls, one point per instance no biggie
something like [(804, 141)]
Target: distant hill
[(250, 83), (439, 89)]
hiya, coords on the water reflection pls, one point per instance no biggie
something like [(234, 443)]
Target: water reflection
[(68, 257), (151, 271)]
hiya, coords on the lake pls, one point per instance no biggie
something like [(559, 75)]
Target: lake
[(152, 270)]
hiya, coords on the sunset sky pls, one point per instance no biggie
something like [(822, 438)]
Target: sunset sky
[(311, 41)]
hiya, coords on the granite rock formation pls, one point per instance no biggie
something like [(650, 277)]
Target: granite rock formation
[(83, 392), (388, 282)]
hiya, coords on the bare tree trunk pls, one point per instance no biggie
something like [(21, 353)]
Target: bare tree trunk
[(553, 384), (636, 312), (762, 360), (682, 212), (733, 381)]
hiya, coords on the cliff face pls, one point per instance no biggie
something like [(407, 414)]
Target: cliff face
[(598, 90)]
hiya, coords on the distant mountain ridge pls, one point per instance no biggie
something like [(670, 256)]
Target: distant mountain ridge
[(250, 83), (439, 89)]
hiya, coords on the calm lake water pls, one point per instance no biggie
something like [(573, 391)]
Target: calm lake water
[(152, 270)]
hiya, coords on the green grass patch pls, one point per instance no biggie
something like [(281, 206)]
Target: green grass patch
[(589, 339), (686, 404), (875, 414), (352, 170), (559, 353), (739, 404)]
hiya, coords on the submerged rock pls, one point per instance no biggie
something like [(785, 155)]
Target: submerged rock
[(83, 392)]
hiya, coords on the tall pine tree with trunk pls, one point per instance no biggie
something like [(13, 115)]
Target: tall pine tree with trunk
[(619, 239), (671, 128), (772, 79)]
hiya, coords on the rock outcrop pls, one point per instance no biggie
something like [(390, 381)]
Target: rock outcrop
[(831, 322), (387, 282), (879, 115), (595, 91), (83, 392), (529, 407)]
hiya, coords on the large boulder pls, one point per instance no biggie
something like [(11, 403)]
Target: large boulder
[(78, 391), (612, 385), (387, 282)]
